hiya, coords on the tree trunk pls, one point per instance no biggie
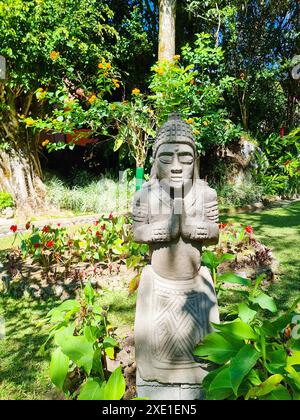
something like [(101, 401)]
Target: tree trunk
[(167, 18), (20, 173), (18, 177)]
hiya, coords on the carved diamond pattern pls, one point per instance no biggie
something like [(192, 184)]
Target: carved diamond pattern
[(180, 322)]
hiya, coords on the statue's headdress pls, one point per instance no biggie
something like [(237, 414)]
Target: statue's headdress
[(175, 130)]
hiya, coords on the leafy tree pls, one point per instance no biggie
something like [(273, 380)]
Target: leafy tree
[(46, 44), (259, 40)]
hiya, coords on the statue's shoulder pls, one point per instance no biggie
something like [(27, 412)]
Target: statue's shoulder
[(209, 193), (142, 196)]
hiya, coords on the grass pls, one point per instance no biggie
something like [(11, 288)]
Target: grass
[(90, 195), (279, 228), (24, 374)]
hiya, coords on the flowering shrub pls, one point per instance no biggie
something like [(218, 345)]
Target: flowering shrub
[(240, 240), (107, 241), (194, 85)]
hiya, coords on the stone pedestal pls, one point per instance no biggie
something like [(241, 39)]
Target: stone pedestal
[(172, 317)]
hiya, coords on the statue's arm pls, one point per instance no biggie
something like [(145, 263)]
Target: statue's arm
[(211, 214), (143, 231), (206, 230)]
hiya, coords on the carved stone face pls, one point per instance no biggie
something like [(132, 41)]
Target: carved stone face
[(175, 164)]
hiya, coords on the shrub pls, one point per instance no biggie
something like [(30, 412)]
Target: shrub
[(231, 195), (106, 244), (257, 359), (83, 340), (6, 200)]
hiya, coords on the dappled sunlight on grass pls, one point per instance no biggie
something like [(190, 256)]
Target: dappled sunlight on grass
[(23, 373), (279, 228)]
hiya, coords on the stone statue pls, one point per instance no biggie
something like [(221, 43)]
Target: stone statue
[(175, 213)]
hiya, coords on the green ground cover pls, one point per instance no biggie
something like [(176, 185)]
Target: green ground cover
[(24, 374)]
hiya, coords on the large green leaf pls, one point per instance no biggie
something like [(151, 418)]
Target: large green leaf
[(110, 342), (234, 279), (277, 360), (59, 366), (89, 293), (80, 350), (237, 330), (115, 387), (92, 390), (265, 302), (275, 327), (217, 349), (253, 377), (265, 387), (91, 333), (294, 359), (69, 306), (294, 375), (97, 364), (62, 334), (245, 313), (209, 259), (241, 365), (279, 394), (220, 386)]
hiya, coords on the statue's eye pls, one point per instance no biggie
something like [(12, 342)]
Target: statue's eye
[(186, 159), (166, 158)]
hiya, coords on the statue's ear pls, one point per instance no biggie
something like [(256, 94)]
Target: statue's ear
[(153, 173), (196, 167)]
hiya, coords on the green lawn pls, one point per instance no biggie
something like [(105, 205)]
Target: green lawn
[(279, 228), (24, 374)]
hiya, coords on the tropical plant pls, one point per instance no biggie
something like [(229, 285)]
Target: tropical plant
[(278, 167), (257, 358), (82, 338)]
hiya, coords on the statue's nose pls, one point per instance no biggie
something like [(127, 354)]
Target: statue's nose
[(176, 167)]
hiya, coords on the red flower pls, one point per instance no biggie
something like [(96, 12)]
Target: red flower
[(36, 245), (98, 234), (14, 228), (103, 227), (49, 244), (89, 230), (96, 222), (58, 224), (249, 229), (27, 226), (46, 229), (222, 225), (110, 216)]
